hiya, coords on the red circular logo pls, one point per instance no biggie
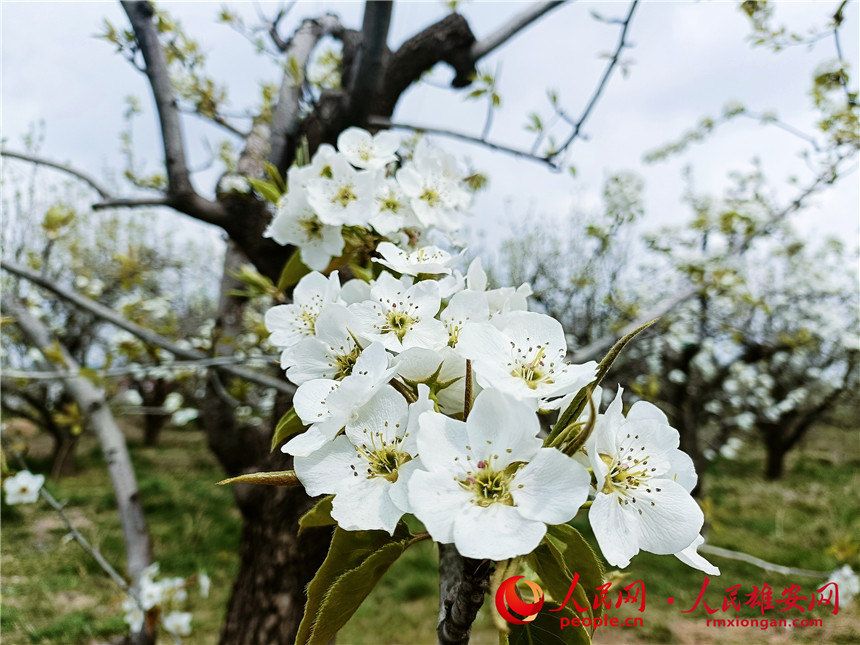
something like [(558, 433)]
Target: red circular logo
[(508, 600)]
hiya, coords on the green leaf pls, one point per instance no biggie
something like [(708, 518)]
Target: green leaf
[(355, 562), (581, 399), (319, 515), (275, 478), (293, 271), (578, 557), (546, 629), (548, 563), (289, 425), (360, 272), (267, 189), (275, 176)]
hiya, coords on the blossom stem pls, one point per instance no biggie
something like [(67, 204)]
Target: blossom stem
[(408, 394), (467, 397)]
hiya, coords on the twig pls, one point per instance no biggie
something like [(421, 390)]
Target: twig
[(761, 564), (131, 203), (467, 395), (512, 28), (103, 192), (622, 43), (843, 79), (384, 122), (33, 375), (143, 333)]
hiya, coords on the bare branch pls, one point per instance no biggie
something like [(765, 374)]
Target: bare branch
[(838, 17), (285, 117), (217, 118), (512, 28), (613, 62), (91, 400), (761, 564), (143, 333), (280, 43), (368, 75), (383, 122), (103, 192), (131, 202), (180, 190), (36, 375), (140, 15)]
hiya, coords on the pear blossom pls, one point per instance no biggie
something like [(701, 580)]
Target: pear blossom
[(343, 198), (848, 583), (489, 487), (288, 324), (401, 314), (205, 583), (364, 150), (328, 406), (368, 468), (23, 487), (177, 622), (134, 615), (172, 402), (463, 308), (234, 184), (183, 416), (523, 353), (643, 499), (391, 209), (502, 300), (432, 183), (428, 260), (297, 223), (331, 353), (691, 558), (444, 371)]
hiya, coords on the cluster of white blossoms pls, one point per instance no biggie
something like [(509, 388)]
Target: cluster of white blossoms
[(355, 187), (169, 595), (422, 390)]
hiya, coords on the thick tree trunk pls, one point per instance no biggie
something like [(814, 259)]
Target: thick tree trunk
[(775, 462), (276, 565), (268, 597), (152, 425), (65, 451)]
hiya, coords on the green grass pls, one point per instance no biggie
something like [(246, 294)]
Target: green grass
[(53, 593)]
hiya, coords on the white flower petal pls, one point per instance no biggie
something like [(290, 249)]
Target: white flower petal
[(551, 488), (615, 528), (436, 499), (495, 532)]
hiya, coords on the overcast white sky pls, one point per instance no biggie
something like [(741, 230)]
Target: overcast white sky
[(688, 60)]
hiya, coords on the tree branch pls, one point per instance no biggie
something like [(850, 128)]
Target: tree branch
[(384, 122), (103, 192), (140, 15), (143, 333), (463, 583), (91, 400), (285, 117), (613, 62), (180, 192), (131, 202), (366, 81), (512, 28)]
